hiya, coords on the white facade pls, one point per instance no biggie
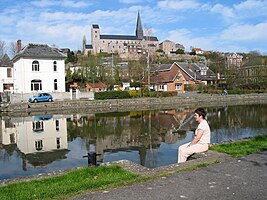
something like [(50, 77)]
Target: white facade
[(6, 78), (39, 68), (42, 135), (25, 78), (6, 74)]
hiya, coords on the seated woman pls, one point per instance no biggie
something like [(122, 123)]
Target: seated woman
[(202, 138)]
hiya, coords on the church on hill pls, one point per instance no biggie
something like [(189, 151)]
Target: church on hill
[(127, 46)]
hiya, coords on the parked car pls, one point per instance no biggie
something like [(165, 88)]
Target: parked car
[(41, 97)]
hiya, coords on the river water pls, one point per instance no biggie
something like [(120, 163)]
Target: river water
[(41, 144)]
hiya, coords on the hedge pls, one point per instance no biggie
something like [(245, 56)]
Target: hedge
[(112, 95)]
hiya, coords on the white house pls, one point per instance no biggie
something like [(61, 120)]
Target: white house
[(6, 74), (39, 68)]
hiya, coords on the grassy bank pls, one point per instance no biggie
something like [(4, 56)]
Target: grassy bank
[(99, 178), (243, 148), (72, 183)]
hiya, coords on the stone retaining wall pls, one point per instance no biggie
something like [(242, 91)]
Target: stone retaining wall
[(113, 105)]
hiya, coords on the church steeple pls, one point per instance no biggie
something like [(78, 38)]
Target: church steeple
[(139, 30)]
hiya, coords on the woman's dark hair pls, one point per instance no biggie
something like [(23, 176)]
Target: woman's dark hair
[(201, 112)]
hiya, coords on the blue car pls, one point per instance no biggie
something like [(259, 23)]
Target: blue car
[(42, 97)]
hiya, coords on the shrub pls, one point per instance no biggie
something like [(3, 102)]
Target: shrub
[(134, 93), (167, 94), (112, 95), (190, 87)]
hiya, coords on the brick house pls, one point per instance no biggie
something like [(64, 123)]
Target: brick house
[(173, 77), (96, 87)]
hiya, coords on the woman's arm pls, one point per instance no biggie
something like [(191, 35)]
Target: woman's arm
[(200, 132)]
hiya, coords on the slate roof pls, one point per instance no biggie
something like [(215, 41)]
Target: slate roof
[(89, 46), (95, 26), (39, 51), (163, 73), (118, 37), (5, 61), (97, 85), (192, 70), (189, 71), (126, 37), (151, 38), (45, 158)]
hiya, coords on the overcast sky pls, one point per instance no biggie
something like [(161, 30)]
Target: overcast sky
[(219, 25)]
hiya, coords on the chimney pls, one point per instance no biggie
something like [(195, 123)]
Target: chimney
[(18, 46), (190, 66)]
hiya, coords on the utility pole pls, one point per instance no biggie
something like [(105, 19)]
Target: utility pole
[(112, 64), (148, 72)]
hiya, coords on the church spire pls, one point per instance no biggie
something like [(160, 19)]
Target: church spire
[(139, 30)]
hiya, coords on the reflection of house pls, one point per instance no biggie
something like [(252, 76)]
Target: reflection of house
[(7, 131), (39, 140), (6, 74), (41, 135), (39, 67)]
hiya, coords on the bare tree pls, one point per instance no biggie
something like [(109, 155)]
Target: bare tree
[(13, 49), (2, 48)]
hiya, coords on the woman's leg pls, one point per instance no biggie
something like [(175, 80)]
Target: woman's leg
[(181, 156), (185, 151)]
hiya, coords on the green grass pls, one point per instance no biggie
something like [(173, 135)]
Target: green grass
[(72, 183), (243, 148)]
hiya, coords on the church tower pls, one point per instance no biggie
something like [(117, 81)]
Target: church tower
[(139, 30), (95, 38)]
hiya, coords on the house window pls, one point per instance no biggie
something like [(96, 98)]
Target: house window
[(178, 86), (55, 66), (38, 126), (55, 84), (58, 143), (161, 87), (57, 125), (35, 65), (36, 85), (39, 145), (9, 74)]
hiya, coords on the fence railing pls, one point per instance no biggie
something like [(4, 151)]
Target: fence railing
[(9, 97)]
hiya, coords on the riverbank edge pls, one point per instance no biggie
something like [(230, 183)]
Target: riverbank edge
[(209, 157), (124, 105)]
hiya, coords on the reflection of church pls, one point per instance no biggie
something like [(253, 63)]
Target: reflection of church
[(40, 140)]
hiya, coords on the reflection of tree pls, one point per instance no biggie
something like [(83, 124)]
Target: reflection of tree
[(6, 151), (238, 117)]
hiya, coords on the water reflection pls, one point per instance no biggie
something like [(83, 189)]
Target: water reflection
[(39, 144)]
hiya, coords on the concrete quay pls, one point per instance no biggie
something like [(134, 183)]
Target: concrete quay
[(120, 105)]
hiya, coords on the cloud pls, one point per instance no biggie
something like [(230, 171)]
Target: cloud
[(243, 11), (63, 16), (251, 5), (64, 3), (246, 32), (130, 1), (223, 10), (178, 4)]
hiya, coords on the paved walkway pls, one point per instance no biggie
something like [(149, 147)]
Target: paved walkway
[(244, 178)]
